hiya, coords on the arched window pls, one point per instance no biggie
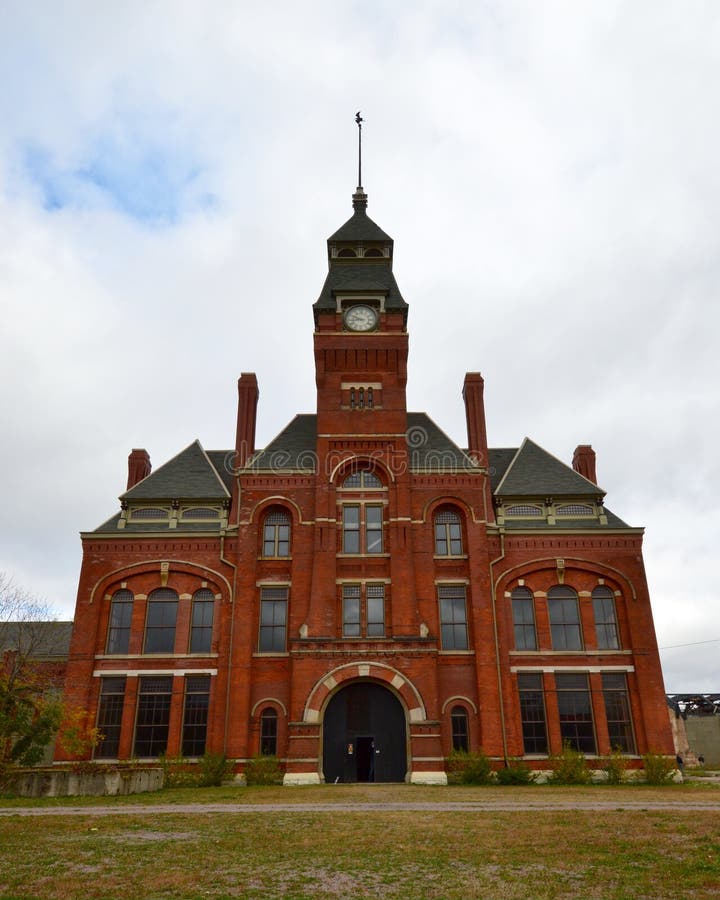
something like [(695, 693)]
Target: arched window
[(448, 533), (564, 615), (276, 533), (346, 251), (162, 607), (523, 610), (268, 732), (203, 606), (459, 722), (362, 478), (121, 608), (373, 251), (606, 628)]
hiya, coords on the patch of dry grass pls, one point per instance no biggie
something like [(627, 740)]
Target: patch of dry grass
[(398, 855)]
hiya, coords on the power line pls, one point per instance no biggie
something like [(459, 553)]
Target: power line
[(693, 644)]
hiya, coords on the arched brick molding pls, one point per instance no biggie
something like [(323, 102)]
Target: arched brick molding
[(378, 672)]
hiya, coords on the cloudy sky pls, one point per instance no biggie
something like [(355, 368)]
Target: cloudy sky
[(170, 171)]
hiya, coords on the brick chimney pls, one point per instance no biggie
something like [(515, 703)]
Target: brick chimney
[(473, 389), (248, 394), (584, 462), (138, 467)]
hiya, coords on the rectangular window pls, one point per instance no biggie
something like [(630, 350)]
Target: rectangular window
[(523, 609), (160, 626), (153, 716), (276, 534), (121, 608), (351, 529), (202, 626), (109, 720), (195, 715), (565, 623), (362, 529), (575, 709), (532, 712), (453, 618), (373, 529), (448, 534), (605, 623), (273, 619), (459, 723), (376, 610), (617, 711), (351, 610), (374, 618)]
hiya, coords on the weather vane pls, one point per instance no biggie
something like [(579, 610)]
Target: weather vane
[(359, 121)]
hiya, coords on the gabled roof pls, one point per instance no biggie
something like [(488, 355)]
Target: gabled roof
[(293, 448), (189, 475), (430, 448), (499, 459), (223, 462), (533, 472)]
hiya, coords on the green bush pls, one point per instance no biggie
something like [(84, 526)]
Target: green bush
[(179, 773), (569, 767), (263, 770), (214, 768), (659, 769), (516, 773), (469, 768), (615, 766)]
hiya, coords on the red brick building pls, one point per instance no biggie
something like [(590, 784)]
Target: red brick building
[(363, 595)]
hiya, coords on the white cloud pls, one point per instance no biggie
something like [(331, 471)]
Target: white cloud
[(548, 172)]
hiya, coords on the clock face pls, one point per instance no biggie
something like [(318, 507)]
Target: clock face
[(360, 318)]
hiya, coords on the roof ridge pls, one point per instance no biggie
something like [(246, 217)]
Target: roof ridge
[(212, 467), (512, 463)]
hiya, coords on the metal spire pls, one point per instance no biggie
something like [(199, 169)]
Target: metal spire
[(359, 121)]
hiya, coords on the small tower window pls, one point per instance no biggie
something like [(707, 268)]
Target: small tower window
[(276, 533), (448, 533), (347, 252)]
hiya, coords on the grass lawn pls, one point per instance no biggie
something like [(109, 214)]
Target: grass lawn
[(354, 853)]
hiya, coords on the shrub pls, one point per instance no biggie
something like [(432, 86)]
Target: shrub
[(214, 768), (469, 768), (569, 767), (178, 772), (516, 773), (614, 766), (659, 769), (263, 770)]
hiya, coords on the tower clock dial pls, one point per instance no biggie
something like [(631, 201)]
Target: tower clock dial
[(360, 318)]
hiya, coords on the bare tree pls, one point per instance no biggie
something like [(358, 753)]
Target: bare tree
[(30, 702)]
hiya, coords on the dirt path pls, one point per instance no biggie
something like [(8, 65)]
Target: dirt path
[(520, 805)]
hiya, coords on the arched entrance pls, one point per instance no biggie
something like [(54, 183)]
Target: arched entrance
[(364, 735)]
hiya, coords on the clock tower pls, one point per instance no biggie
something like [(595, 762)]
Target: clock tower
[(361, 341)]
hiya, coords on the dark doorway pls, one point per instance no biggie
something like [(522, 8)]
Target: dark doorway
[(364, 735), (365, 758)]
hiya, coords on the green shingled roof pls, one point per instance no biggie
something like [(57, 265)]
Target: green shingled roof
[(189, 475), (534, 472), (293, 448), (430, 448), (360, 227), (360, 276)]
